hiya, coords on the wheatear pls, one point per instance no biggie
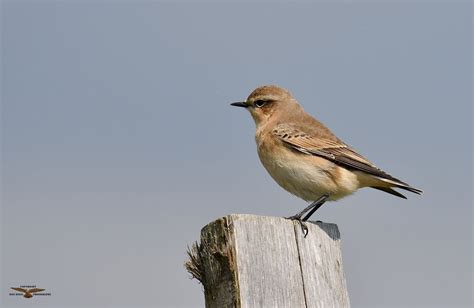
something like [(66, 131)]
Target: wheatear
[(305, 158)]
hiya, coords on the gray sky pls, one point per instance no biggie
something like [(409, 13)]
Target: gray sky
[(119, 144)]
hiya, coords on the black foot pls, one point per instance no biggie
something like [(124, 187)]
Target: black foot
[(303, 226), (309, 210)]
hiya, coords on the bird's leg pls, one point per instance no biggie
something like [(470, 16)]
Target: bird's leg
[(316, 205), (311, 208)]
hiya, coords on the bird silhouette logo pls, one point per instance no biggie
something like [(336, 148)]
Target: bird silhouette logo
[(28, 292)]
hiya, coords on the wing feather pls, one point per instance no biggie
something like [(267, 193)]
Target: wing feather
[(331, 148)]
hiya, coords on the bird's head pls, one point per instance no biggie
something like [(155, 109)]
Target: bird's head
[(267, 101)]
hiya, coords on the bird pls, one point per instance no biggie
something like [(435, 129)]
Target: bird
[(305, 158), (28, 292)]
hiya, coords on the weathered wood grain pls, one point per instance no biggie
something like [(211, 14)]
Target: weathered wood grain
[(321, 266), (258, 261), (267, 262)]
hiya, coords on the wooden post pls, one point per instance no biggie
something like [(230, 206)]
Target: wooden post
[(258, 261)]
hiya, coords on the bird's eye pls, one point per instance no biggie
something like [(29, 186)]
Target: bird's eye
[(259, 103)]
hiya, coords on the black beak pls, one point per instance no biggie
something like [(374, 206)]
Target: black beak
[(239, 104)]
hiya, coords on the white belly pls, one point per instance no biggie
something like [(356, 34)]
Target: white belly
[(309, 177)]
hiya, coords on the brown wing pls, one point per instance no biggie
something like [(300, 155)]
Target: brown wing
[(20, 290), (34, 290), (329, 147)]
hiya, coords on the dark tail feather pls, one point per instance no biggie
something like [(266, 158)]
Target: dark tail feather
[(399, 184), (390, 191), (409, 188)]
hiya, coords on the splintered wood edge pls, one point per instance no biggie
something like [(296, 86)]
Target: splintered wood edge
[(218, 261), (194, 264)]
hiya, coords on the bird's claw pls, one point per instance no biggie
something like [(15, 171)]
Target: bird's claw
[(304, 229), (303, 226)]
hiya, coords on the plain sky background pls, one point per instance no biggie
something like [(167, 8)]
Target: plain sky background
[(119, 144)]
